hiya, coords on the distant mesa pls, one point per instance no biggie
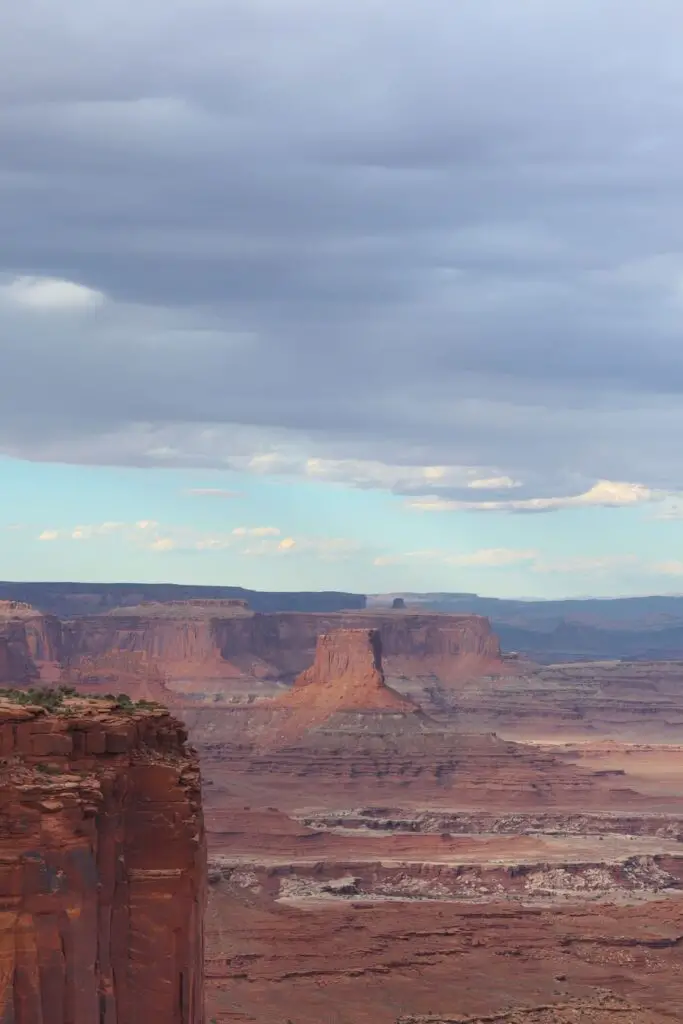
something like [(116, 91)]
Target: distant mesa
[(192, 608), (398, 603), (346, 675)]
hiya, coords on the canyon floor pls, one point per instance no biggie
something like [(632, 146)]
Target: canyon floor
[(375, 871)]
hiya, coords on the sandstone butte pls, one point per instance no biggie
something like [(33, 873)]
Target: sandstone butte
[(346, 677), (102, 866)]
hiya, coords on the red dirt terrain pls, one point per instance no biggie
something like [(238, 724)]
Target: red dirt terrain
[(377, 864)]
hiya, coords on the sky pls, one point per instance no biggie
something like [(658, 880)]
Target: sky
[(371, 295)]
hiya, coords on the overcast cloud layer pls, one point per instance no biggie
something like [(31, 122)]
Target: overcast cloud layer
[(435, 247)]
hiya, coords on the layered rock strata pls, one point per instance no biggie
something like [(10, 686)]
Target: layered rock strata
[(346, 675), (184, 644), (102, 866), (30, 643)]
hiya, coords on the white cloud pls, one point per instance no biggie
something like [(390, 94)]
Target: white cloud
[(605, 493), (243, 540), (584, 564), (500, 558), (494, 483), (256, 531), (162, 544), (408, 478), (98, 530), (326, 549), (672, 568), (50, 294)]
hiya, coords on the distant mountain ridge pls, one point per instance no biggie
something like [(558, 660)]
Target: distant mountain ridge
[(68, 599)]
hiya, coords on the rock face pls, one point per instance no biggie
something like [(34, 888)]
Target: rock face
[(102, 867), (16, 663), (346, 675), (30, 643), (275, 647)]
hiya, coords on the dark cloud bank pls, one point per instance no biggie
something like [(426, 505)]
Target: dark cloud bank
[(431, 234)]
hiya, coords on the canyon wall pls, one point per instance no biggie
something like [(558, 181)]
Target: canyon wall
[(29, 643), (102, 866), (16, 663), (275, 646)]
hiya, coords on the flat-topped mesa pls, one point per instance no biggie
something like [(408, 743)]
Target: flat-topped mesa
[(102, 864), (346, 675)]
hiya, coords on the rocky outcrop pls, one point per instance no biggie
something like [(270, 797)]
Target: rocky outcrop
[(346, 675), (102, 866)]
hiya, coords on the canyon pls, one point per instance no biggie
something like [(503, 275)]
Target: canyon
[(199, 647), (404, 823)]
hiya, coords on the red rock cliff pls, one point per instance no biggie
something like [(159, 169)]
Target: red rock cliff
[(16, 663), (102, 867), (277, 646), (31, 642), (346, 675)]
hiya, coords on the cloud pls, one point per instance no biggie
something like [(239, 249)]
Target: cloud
[(256, 531), (469, 252), (672, 568), (325, 549), (531, 560), (262, 541), (162, 544), (586, 564), (50, 294), (494, 483), (99, 530), (491, 558), (605, 494)]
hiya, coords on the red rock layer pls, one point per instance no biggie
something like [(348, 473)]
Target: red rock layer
[(277, 646), (102, 867), (30, 643), (16, 663)]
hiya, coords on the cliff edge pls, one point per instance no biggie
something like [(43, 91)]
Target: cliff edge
[(102, 864)]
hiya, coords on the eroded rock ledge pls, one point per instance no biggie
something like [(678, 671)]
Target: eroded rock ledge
[(102, 866)]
